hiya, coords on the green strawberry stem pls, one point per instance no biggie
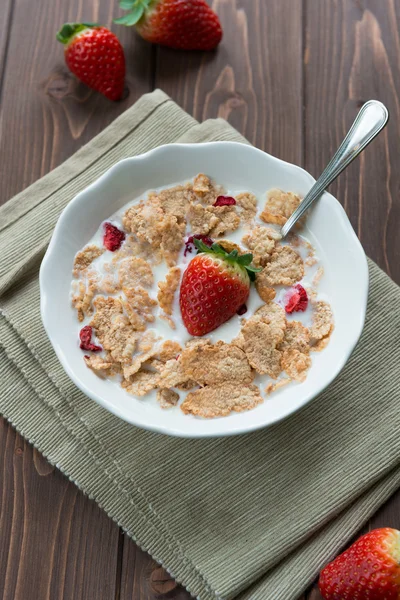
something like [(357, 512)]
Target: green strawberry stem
[(243, 260), (136, 8), (68, 30)]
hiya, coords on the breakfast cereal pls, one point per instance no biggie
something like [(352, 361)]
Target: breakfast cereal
[(127, 291)]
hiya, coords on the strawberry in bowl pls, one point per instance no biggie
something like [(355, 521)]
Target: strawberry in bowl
[(214, 287)]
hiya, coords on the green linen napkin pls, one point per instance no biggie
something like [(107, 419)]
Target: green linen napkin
[(254, 516)]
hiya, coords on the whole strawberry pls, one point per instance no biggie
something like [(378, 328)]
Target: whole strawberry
[(214, 286), (95, 55), (368, 570), (181, 24)]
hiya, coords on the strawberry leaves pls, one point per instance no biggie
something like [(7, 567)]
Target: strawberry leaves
[(68, 30), (136, 8), (243, 260)]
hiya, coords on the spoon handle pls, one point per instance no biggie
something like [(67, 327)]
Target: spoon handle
[(371, 119)]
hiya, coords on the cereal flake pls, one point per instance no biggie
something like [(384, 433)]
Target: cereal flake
[(120, 339), (133, 272), (107, 309), (265, 291), (261, 241), (295, 364), (272, 387), (85, 257), (141, 383), (285, 267), (167, 290), (322, 326), (173, 375), (220, 400), (175, 201), (273, 315), (248, 205), (279, 206), (172, 234), (103, 366), (146, 350), (167, 398), (138, 301), (209, 364), (260, 348), (201, 184), (297, 337), (206, 189), (201, 220), (228, 219), (83, 294)]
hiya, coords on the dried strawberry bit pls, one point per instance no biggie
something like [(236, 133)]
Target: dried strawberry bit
[(189, 244), (224, 201), (85, 335), (113, 237), (296, 299), (241, 310)]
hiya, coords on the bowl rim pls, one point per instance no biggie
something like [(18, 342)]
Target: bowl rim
[(166, 429)]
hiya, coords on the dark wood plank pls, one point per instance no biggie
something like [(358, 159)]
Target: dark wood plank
[(253, 80), (352, 55), (55, 543), (6, 14), (143, 579), (45, 112)]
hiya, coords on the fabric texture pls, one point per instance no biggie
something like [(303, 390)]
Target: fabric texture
[(254, 516)]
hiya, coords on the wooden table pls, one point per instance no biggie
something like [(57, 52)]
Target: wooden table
[(290, 75)]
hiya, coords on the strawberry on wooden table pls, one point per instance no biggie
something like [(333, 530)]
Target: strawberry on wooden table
[(94, 54), (181, 24), (214, 286), (368, 570)]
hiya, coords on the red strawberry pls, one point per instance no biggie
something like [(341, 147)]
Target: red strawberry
[(214, 286), (95, 55), (182, 24), (368, 570)]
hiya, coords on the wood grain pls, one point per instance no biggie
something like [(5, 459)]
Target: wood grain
[(45, 111), (55, 543), (253, 81), (355, 60), (142, 578), (5, 22)]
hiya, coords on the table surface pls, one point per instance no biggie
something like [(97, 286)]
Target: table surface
[(290, 75)]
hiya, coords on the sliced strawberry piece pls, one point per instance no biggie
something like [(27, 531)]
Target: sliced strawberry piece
[(241, 310), (225, 201), (189, 244), (296, 299), (85, 336), (113, 237)]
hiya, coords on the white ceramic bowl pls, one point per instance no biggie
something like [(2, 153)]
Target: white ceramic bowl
[(236, 166)]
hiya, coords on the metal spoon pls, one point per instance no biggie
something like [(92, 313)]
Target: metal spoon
[(371, 119)]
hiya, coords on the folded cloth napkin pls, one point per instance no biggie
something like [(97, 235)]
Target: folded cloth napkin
[(254, 516)]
